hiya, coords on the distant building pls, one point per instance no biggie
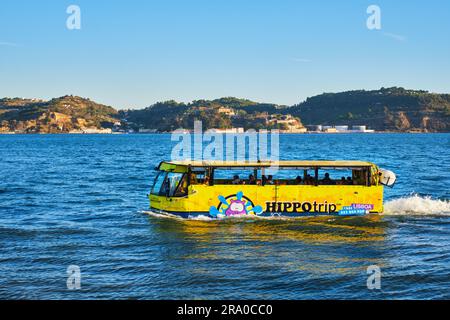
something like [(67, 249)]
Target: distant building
[(294, 130), (231, 130), (341, 128), (359, 128), (227, 111), (95, 130), (147, 130), (182, 131), (338, 129)]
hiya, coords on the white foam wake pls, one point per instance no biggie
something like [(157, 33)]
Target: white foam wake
[(208, 218), (413, 205), (417, 205)]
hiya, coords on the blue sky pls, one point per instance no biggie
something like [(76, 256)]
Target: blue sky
[(134, 53)]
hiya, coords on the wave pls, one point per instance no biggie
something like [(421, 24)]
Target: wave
[(229, 218), (209, 218), (417, 205), (161, 215)]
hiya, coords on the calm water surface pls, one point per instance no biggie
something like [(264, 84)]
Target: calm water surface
[(81, 200)]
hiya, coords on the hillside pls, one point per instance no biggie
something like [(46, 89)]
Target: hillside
[(220, 113), (59, 115), (387, 109), (393, 109)]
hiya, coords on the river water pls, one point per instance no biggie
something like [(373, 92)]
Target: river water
[(81, 200)]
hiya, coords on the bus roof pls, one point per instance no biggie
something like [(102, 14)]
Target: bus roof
[(171, 165)]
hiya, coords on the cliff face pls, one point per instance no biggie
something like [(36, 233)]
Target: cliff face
[(60, 115), (393, 109)]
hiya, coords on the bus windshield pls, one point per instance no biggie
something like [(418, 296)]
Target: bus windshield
[(167, 184), (158, 183)]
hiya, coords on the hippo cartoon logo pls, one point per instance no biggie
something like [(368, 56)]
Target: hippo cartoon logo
[(235, 205)]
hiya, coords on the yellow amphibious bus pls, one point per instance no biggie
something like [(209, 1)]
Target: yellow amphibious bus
[(284, 188)]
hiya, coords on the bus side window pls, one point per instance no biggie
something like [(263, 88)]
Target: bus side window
[(182, 189), (360, 177), (171, 184)]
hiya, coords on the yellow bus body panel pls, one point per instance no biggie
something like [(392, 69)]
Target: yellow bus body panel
[(202, 197)]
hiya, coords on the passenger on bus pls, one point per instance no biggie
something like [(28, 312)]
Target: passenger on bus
[(182, 189), (251, 179), (298, 180), (343, 182), (269, 180), (326, 180), (349, 181), (264, 180), (193, 178), (236, 180)]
